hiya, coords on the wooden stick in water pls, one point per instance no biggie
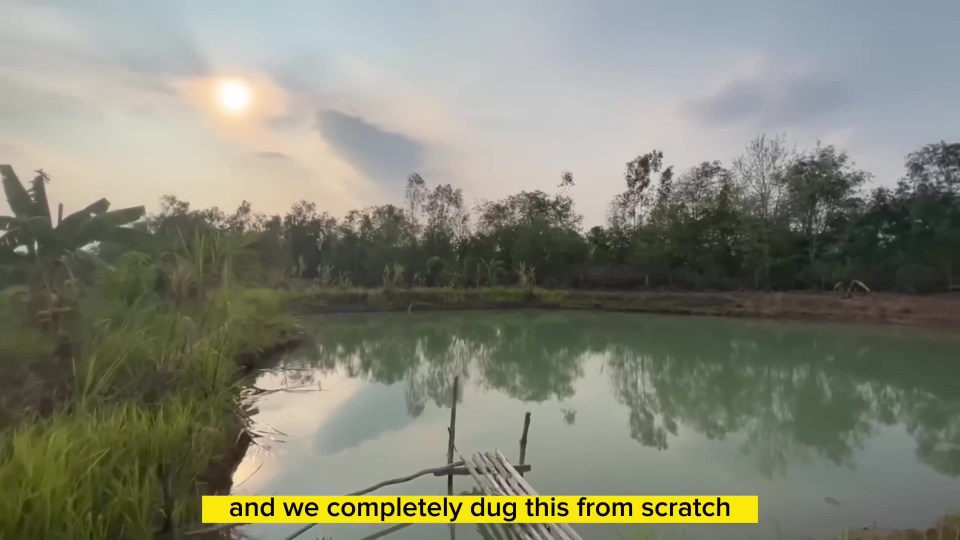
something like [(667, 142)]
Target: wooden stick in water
[(451, 442), (523, 439), (436, 470)]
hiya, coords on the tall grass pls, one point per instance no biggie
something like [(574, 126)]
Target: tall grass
[(141, 402), (100, 472)]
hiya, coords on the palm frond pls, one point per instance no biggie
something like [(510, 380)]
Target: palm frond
[(128, 237), (74, 220), (92, 257), (17, 196), (8, 223), (38, 193), (123, 216)]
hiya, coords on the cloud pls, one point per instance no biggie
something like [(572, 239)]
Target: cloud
[(286, 122), (6, 151), (27, 107), (772, 97), (148, 42), (272, 155), (299, 72), (368, 415), (379, 154)]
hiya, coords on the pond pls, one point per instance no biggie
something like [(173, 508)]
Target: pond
[(833, 427)]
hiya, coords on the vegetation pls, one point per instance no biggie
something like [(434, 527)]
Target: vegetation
[(119, 391), (120, 335), (774, 219)]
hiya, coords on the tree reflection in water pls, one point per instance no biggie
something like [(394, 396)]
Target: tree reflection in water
[(793, 392)]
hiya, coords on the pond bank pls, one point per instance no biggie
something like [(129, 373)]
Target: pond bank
[(933, 311), (947, 527)]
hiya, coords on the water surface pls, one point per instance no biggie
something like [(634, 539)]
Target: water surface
[(833, 427)]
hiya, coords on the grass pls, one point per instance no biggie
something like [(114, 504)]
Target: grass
[(319, 299), (100, 473), (115, 424)]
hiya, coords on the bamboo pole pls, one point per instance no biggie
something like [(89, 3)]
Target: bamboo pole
[(451, 431), (537, 530), (523, 439), (496, 487), (439, 471), (457, 469), (503, 468), (530, 491), (490, 490)]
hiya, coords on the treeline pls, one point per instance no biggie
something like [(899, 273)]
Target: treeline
[(773, 219)]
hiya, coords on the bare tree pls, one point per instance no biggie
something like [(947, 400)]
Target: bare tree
[(760, 174), (760, 171), (416, 196)]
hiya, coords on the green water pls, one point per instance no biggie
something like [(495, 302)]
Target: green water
[(833, 427)]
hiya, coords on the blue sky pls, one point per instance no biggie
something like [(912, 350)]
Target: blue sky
[(113, 97)]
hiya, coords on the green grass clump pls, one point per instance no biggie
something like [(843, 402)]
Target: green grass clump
[(99, 473)]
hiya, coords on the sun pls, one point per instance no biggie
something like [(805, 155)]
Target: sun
[(234, 96)]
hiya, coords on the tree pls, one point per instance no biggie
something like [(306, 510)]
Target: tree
[(416, 197), (628, 209), (823, 196), (936, 165), (759, 174), (920, 221)]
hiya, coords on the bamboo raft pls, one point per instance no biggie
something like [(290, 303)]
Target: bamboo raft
[(493, 474), (496, 477)]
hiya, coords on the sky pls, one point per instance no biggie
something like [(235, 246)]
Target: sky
[(348, 98)]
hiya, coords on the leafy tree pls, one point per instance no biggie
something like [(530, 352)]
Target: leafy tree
[(823, 196), (628, 209)]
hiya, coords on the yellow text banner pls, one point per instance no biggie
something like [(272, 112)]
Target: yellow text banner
[(481, 509)]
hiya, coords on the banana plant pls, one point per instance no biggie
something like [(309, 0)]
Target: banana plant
[(32, 226), (32, 237), (493, 268)]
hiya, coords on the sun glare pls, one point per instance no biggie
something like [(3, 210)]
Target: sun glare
[(234, 96)]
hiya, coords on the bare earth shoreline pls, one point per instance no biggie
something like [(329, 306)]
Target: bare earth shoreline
[(941, 311)]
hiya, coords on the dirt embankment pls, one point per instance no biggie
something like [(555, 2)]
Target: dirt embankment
[(946, 528), (941, 311), (932, 311)]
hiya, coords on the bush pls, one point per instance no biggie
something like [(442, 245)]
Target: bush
[(135, 277)]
